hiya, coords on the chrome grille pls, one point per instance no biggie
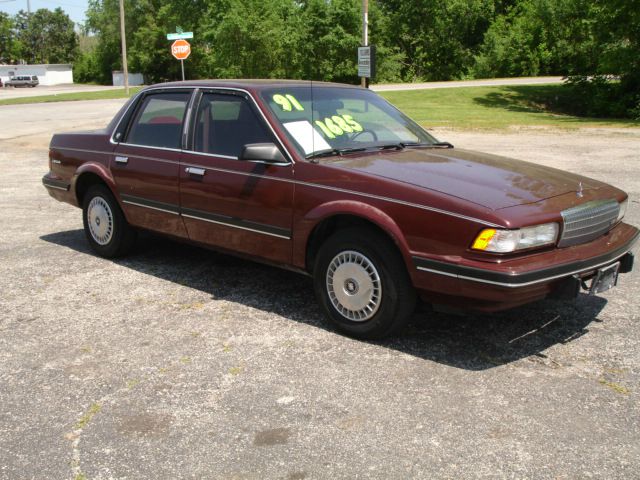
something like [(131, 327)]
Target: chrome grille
[(588, 221)]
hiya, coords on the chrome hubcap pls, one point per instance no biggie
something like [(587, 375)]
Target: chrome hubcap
[(100, 220), (354, 286)]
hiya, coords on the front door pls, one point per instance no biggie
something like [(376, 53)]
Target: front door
[(145, 165), (230, 203)]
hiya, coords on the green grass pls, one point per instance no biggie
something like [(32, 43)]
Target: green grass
[(86, 418), (492, 108), (69, 97)]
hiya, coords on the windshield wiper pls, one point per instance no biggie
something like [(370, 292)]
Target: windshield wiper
[(335, 152), (396, 146), (428, 145), (332, 152)]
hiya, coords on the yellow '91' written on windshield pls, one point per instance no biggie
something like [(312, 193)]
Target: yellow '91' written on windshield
[(288, 102)]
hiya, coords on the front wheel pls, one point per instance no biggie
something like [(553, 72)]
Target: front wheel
[(362, 284), (105, 227)]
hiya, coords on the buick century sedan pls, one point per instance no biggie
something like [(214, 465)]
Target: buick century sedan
[(332, 181)]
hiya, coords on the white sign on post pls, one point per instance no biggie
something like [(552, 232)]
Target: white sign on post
[(364, 62)]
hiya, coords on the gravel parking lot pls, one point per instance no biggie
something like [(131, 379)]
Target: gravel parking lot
[(177, 362)]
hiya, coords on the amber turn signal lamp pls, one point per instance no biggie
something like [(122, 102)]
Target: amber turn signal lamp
[(483, 239)]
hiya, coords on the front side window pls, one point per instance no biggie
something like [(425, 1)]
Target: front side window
[(225, 124), (158, 120), (319, 118)]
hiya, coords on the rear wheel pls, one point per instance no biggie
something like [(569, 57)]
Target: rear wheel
[(362, 284), (105, 227)]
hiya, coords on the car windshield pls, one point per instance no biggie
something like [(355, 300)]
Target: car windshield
[(334, 120)]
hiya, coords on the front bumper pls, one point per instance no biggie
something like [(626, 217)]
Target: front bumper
[(497, 286)]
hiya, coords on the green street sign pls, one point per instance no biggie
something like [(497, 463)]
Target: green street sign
[(180, 35)]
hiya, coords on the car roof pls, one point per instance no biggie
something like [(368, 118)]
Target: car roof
[(252, 84)]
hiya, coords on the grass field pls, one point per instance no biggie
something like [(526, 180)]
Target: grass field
[(492, 108), (69, 97)]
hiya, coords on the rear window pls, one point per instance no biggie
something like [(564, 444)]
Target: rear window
[(158, 120)]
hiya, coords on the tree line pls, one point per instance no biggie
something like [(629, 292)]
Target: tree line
[(45, 36), (591, 41)]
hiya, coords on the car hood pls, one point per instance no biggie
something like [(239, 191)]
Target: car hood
[(488, 180)]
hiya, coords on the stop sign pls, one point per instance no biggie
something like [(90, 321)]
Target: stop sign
[(180, 49)]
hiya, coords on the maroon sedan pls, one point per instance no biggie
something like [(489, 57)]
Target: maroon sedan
[(333, 181)]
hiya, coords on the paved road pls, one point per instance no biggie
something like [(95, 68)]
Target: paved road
[(468, 83), (41, 119), (177, 362)]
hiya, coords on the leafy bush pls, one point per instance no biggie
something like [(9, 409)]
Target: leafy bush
[(86, 68), (598, 96)]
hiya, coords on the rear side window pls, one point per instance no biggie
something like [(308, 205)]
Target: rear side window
[(158, 120)]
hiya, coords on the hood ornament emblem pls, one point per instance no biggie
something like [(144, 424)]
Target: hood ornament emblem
[(580, 192)]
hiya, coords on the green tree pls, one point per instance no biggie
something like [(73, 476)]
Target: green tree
[(10, 46), (103, 21), (540, 37), (438, 38), (148, 50), (46, 36), (330, 37), (618, 32), (252, 39)]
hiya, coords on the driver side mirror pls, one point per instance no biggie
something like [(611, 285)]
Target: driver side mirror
[(263, 152)]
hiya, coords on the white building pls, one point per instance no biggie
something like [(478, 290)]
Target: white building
[(49, 74), (134, 78)]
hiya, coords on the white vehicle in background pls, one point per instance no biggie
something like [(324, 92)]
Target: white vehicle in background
[(23, 81)]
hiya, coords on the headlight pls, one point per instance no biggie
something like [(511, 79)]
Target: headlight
[(623, 209), (504, 241)]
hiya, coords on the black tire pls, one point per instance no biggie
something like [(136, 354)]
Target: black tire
[(109, 234), (368, 255)]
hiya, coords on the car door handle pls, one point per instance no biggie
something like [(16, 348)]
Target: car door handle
[(195, 171), (122, 160)]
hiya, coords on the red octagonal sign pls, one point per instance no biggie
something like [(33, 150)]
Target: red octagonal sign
[(180, 49)]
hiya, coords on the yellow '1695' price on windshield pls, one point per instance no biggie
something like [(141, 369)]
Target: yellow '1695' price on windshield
[(338, 125)]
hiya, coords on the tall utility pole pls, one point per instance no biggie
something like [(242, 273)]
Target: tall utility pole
[(125, 70), (29, 7), (365, 33)]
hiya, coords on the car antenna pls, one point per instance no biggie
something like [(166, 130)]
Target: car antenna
[(313, 132)]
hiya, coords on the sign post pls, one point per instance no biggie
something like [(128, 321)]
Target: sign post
[(181, 49), (365, 37), (123, 39)]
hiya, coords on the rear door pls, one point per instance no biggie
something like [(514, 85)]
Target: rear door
[(230, 203), (145, 164)]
